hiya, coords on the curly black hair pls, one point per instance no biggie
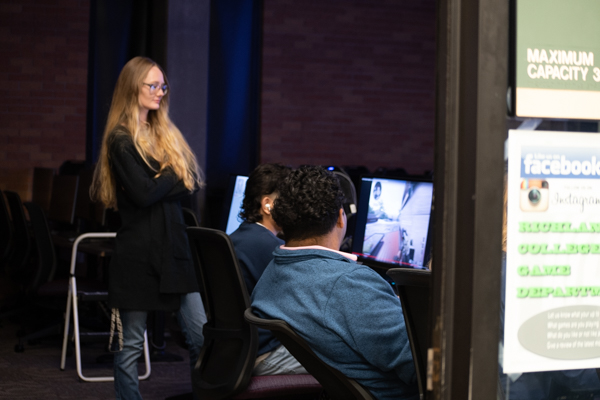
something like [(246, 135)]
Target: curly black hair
[(262, 181), (309, 202)]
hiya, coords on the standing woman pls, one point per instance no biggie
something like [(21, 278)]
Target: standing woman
[(145, 168)]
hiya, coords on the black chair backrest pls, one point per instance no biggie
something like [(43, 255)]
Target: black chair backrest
[(71, 167), (337, 385), (45, 267), (355, 172), (413, 288), (89, 215), (21, 252), (350, 207), (230, 343), (84, 207), (62, 202), (109, 219), (6, 231), (349, 191), (42, 187), (190, 217)]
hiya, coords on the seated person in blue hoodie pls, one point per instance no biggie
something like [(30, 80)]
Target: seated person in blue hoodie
[(347, 313), (254, 242)]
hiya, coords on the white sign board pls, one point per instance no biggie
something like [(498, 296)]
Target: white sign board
[(552, 297)]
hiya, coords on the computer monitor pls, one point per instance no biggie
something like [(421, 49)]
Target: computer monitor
[(393, 222), (233, 203)]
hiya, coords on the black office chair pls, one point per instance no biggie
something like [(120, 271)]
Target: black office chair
[(227, 357), (347, 186), (350, 206), (85, 209), (41, 189), (189, 217), (6, 232), (48, 292), (337, 385), (10, 304), (16, 265), (42, 290), (71, 167), (413, 287), (355, 172), (62, 202)]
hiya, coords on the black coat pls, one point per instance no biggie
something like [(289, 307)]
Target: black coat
[(152, 264)]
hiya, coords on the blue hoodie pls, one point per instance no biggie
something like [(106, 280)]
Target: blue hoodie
[(347, 313)]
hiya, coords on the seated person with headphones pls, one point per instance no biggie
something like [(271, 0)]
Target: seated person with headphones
[(348, 314), (254, 242)]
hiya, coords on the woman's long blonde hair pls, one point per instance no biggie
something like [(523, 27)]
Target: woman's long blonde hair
[(158, 139)]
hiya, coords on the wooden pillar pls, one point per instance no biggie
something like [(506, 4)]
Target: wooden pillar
[(472, 60)]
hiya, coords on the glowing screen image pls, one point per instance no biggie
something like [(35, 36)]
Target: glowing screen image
[(397, 222), (233, 221)]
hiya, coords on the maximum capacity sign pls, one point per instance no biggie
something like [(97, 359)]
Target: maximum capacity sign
[(557, 59)]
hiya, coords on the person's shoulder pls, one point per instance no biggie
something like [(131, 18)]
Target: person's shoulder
[(358, 271), (250, 228), (254, 233), (121, 134), (337, 256), (360, 280), (241, 230), (120, 138)]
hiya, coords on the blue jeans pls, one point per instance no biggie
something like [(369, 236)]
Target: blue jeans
[(191, 318), (279, 362)]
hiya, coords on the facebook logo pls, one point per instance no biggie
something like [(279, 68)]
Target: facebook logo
[(554, 162)]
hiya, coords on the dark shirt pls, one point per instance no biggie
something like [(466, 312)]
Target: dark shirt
[(254, 245)]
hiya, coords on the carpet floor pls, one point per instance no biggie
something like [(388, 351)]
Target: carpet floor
[(35, 373)]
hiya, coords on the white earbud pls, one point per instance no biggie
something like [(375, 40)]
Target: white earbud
[(268, 207)]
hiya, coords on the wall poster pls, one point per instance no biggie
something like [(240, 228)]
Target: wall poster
[(557, 64), (552, 296)]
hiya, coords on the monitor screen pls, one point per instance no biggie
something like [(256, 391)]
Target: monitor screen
[(233, 202), (393, 222)]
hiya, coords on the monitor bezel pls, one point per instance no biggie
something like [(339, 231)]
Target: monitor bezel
[(363, 205)]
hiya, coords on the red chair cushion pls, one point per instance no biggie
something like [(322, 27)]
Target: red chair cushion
[(280, 385)]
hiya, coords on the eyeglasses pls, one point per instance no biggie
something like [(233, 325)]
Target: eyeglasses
[(154, 87)]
